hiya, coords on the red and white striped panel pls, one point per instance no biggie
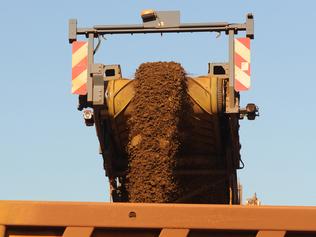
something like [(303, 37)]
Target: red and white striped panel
[(242, 64), (79, 67)]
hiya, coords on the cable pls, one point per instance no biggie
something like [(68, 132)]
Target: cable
[(99, 43)]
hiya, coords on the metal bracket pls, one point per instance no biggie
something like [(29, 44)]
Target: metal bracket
[(72, 33), (163, 19), (232, 106), (98, 69), (90, 63), (171, 25), (251, 112), (88, 117), (250, 26), (97, 73)]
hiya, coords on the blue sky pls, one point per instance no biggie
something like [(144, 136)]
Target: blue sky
[(48, 154)]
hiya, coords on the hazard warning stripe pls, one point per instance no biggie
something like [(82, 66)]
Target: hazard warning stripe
[(79, 67), (79, 81), (77, 45), (79, 55), (242, 49), (242, 63), (242, 77), (240, 86)]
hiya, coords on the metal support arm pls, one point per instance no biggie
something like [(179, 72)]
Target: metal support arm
[(142, 29)]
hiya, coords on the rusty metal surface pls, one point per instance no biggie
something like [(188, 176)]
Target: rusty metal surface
[(270, 233), (174, 233), (129, 215), (78, 231), (2, 230)]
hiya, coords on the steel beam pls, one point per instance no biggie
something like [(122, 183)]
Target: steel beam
[(231, 89), (140, 29), (157, 216), (90, 64), (145, 28)]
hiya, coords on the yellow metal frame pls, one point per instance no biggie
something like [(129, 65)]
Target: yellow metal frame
[(81, 219), (203, 90)]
